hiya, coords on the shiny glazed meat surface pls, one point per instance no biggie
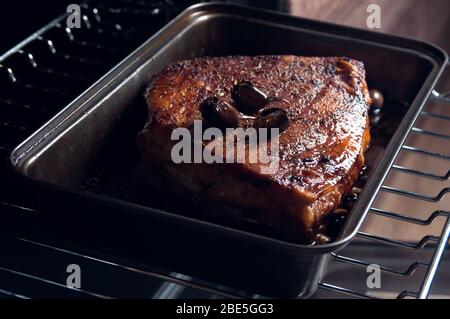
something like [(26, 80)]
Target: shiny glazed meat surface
[(321, 152)]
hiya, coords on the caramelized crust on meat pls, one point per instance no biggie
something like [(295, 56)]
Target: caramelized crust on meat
[(321, 153)]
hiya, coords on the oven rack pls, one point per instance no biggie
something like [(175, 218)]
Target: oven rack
[(57, 64)]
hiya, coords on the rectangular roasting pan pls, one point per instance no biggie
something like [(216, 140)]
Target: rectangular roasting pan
[(92, 142)]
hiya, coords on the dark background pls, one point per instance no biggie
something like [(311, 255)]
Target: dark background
[(420, 19), (20, 18)]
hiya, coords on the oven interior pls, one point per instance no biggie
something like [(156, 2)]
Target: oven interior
[(54, 57)]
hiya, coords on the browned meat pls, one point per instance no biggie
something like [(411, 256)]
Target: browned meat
[(321, 152)]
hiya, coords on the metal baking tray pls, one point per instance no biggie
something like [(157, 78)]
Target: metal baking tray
[(82, 161)]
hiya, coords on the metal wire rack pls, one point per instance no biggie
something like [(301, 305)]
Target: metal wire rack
[(57, 63)]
